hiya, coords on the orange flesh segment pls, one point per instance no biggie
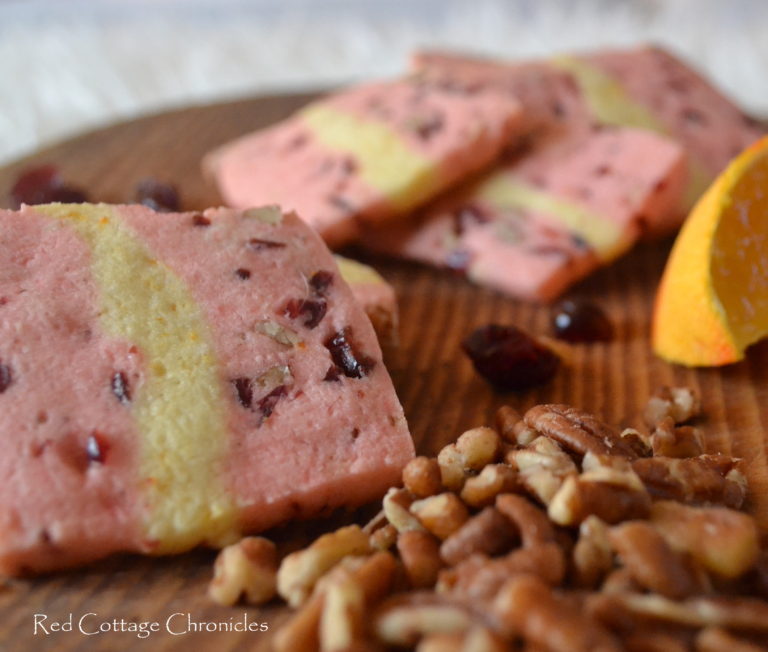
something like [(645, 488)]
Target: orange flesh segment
[(740, 255)]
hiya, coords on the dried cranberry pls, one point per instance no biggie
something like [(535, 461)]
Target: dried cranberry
[(509, 358), (267, 403), (256, 244), (694, 116), (96, 447), (244, 389), (426, 127), (158, 196), (549, 250), (313, 310), (579, 242), (345, 357), (43, 185), (580, 321), (243, 273), (320, 282), (348, 165), (468, 215), (6, 377), (200, 220), (333, 374), (121, 388), (299, 140)]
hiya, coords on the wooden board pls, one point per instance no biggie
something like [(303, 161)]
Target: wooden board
[(441, 393)]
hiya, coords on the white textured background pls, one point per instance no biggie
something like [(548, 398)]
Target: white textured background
[(69, 65)]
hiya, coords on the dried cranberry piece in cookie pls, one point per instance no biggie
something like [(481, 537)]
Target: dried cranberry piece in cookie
[(244, 388), (313, 310), (96, 447), (345, 356), (320, 282), (267, 404), (6, 376)]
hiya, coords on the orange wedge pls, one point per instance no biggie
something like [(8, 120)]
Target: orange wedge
[(712, 302)]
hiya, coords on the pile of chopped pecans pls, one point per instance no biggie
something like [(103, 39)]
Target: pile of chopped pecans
[(551, 532)]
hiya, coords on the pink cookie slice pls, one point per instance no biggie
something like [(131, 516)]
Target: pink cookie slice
[(644, 88), (708, 124), (174, 380), (537, 225), (367, 154)]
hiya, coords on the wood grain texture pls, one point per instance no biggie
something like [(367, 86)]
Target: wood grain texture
[(440, 392)]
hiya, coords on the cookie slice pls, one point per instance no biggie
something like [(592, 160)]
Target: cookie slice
[(179, 379), (365, 155), (538, 224), (646, 88)]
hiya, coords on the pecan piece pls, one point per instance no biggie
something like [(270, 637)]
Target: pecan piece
[(653, 564), (487, 532), (656, 640), (577, 431), (512, 428), (300, 570), (247, 568), (478, 447), (342, 620), (723, 611), (706, 479), (420, 554), (637, 441), (542, 467), (396, 504), (676, 441), (482, 489), (678, 403), (373, 577), (722, 540), (608, 488), (528, 606), (384, 538), (421, 476), (403, 620), (592, 554), (477, 639), (529, 520), (716, 639), (478, 578), (620, 580), (442, 515), (451, 463), (507, 420)]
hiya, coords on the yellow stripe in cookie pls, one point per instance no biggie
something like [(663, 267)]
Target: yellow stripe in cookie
[(178, 410), (385, 162), (602, 235), (608, 101)]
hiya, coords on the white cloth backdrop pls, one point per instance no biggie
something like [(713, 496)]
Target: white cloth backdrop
[(70, 65)]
